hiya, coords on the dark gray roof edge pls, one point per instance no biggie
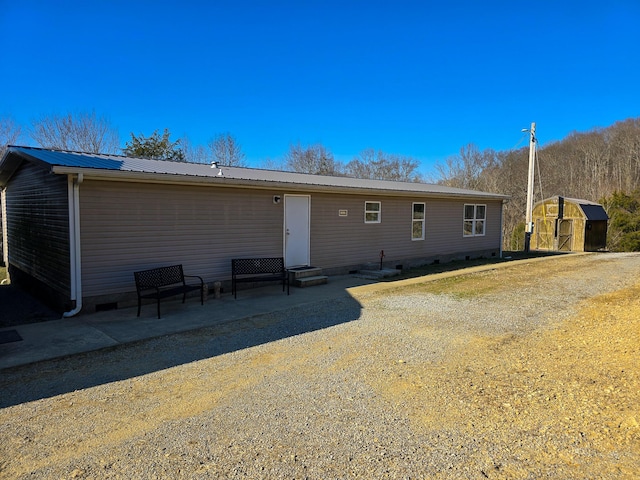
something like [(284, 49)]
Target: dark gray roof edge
[(68, 161)]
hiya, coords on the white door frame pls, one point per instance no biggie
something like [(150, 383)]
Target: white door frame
[(297, 230)]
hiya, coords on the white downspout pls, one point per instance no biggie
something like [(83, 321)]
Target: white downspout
[(74, 243), (5, 250)]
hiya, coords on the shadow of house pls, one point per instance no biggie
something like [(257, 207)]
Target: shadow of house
[(54, 377)]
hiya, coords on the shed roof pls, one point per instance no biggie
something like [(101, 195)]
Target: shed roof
[(116, 167), (592, 210)]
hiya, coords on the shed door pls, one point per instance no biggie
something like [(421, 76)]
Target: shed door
[(543, 234), (297, 212), (595, 237), (565, 234)]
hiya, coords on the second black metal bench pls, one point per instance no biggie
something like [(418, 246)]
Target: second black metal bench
[(258, 270)]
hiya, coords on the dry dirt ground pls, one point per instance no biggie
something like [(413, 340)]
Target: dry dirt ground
[(558, 400)]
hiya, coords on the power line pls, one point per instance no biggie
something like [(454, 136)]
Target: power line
[(525, 135)]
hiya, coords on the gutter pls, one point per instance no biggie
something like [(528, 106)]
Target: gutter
[(74, 243), (3, 214)]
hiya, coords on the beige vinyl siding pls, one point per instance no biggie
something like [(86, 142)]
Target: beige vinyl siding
[(38, 226), (347, 240), (445, 227), (133, 226), (130, 226)]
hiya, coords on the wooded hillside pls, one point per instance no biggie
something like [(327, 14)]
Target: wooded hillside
[(591, 165)]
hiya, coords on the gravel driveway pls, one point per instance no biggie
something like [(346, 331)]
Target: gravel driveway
[(525, 371)]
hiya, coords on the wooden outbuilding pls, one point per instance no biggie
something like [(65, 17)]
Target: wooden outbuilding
[(77, 225), (569, 225)]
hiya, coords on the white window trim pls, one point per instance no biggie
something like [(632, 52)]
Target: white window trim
[(422, 220), (474, 220), (377, 212)]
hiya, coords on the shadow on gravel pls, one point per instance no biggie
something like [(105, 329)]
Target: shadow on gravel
[(54, 377)]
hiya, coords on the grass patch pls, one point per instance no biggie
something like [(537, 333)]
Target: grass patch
[(490, 281), (470, 286), (461, 287), (454, 265)]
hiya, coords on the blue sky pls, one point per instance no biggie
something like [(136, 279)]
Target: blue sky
[(421, 79)]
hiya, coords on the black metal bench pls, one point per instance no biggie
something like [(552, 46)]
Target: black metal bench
[(163, 282), (258, 270)]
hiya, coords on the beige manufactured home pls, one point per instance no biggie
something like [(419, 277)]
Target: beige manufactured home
[(78, 225)]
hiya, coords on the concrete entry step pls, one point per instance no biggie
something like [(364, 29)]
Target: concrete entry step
[(302, 272), (307, 276), (311, 281)]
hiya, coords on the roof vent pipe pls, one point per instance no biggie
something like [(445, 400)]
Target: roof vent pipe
[(214, 164)]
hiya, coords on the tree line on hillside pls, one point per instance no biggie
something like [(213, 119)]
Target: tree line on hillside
[(601, 165), (86, 132), (369, 164)]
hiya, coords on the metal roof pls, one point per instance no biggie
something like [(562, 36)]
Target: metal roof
[(594, 211), (591, 210), (121, 167)]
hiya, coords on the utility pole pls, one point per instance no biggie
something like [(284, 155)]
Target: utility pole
[(529, 219)]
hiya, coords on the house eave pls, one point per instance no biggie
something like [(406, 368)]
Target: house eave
[(221, 181), (12, 160)]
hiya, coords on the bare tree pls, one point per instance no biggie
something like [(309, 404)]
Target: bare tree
[(83, 132), (272, 164), (593, 149), (466, 169), (226, 150), (624, 138), (10, 132), (378, 165), (195, 153), (314, 159)]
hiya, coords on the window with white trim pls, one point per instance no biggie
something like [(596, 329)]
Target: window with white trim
[(372, 211), (474, 220), (417, 221)]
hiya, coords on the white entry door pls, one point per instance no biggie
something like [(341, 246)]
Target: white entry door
[(297, 212)]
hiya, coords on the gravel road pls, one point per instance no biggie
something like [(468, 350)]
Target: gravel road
[(524, 371)]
